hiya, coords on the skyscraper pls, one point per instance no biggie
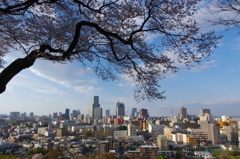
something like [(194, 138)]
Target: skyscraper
[(94, 108), (67, 114), (182, 112), (134, 110), (97, 113), (120, 109), (75, 113), (143, 113), (107, 112)]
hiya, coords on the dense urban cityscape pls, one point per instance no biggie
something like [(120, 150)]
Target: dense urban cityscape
[(94, 135)]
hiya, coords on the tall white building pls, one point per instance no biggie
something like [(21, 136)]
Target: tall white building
[(132, 130)]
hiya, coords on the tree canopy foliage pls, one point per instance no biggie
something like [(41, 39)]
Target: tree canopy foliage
[(224, 12), (107, 36)]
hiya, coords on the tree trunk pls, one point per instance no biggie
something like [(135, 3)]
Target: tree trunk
[(15, 67)]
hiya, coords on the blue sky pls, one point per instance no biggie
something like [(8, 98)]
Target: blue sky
[(49, 87)]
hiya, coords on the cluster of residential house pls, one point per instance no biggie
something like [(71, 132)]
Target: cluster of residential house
[(126, 137)]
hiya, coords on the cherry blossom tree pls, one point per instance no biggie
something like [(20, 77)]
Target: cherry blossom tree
[(224, 12), (108, 36)]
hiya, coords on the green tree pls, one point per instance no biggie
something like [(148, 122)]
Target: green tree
[(225, 154), (162, 156), (4, 151), (12, 151), (87, 133), (108, 36), (37, 150), (4, 156)]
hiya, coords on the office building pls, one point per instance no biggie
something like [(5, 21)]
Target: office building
[(14, 116), (97, 113), (23, 115), (67, 114), (143, 113), (120, 109), (203, 111), (94, 109), (75, 113), (107, 113), (55, 115), (136, 114), (182, 113), (31, 115), (134, 110)]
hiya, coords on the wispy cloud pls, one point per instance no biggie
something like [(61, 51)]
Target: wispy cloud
[(203, 65), (68, 75), (35, 85)]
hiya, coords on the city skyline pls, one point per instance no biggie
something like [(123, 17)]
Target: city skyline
[(212, 84), (141, 113)]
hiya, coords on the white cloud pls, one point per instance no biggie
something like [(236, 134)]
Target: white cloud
[(35, 85), (68, 75), (203, 65)]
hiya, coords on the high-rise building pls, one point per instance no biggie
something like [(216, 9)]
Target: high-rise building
[(75, 113), (107, 113), (136, 114), (97, 113), (94, 109), (67, 114), (31, 115), (182, 112), (143, 113), (23, 115), (120, 109), (55, 115), (203, 111), (14, 116), (134, 110)]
